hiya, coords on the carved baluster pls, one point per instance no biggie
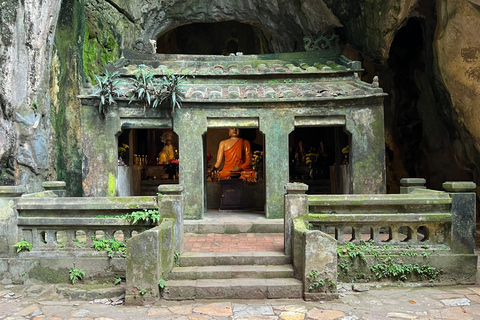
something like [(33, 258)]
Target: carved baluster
[(36, 239), (395, 234), (413, 234), (356, 234), (70, 235), (90, 234), (127, 234), (50, 237), (339, 234), (107, 234), (375, 235)]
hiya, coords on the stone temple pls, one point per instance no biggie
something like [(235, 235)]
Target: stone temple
[(273, 97), (118, 120)]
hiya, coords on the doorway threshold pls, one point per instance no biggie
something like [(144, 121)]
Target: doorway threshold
[(232, 222)]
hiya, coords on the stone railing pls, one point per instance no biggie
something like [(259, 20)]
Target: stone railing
[(62, 230), (53, 223), (418, 217)]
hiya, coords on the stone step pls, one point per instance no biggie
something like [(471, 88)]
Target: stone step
[(234, 227), (232, 272), (241, 288), (192, 259), (233, 222)]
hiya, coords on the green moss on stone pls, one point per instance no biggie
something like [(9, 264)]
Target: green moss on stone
[(98, 50), (49, 275), (111, 185)]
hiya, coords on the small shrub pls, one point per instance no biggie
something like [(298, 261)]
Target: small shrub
[(76, 274), (162, 283), (111, 246), (23, 246)]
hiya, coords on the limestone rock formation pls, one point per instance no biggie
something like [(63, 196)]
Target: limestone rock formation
[(47, 51), (457, 49)]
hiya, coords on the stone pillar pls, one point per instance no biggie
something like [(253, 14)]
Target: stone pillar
[(190, 128), (171, 205), (8, 220), (100, 154), (410, 184), (367, 149), (296, 204), (276, 128), (149, 259), (463, 211), (57, 187)]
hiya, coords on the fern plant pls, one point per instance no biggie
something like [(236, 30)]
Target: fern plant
[(143, 216)]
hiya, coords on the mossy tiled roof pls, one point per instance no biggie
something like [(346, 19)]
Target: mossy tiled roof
[(301, 76)]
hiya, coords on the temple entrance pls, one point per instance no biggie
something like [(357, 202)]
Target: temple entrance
[(318, 157), (245, 193), (146, 159)]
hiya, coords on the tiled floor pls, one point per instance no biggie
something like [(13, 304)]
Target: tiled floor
[(243, 242)]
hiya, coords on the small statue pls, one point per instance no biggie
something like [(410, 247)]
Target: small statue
[(168, 151), (236, 152)]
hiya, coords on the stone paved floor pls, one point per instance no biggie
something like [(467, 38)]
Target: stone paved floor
[(243, 242), (454, 302)]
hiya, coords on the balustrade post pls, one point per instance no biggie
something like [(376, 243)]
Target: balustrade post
[(171, 205), (9, 232), (463, 216), (57, 187), (410, 184), (296, 204)]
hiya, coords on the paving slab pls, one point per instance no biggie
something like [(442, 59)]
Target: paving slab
[(417, 303)]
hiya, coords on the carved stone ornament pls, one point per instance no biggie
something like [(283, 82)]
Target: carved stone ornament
[(144, 46), (321, 43)]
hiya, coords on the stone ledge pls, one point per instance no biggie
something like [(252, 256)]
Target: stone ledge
[(459, 186), (12, 191)]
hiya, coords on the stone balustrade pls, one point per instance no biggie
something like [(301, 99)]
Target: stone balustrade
[(62, 231), (394, 219), (418, 218), (53, 223)]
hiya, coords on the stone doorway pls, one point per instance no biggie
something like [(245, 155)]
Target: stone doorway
[(318, 157), (253, 193), (147, 158)]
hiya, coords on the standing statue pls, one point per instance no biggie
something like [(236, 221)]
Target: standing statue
[(236, 152)]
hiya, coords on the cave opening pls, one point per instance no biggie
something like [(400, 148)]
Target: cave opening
[(221, 38), (405, 60)]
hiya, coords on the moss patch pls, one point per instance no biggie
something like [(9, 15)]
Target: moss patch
[(49, 275), (99, 48), (111, 185)]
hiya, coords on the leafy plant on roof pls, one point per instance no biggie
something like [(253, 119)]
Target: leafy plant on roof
[(154, 91), (143, 85), (107, 90), (170, 91)]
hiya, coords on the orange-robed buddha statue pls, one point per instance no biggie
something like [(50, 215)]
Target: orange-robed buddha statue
[(237, 155)]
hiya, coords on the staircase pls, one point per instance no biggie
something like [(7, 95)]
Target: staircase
[(233, 256)]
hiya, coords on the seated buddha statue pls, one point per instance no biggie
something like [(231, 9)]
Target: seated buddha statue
[(236, 156), (168, 151)]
